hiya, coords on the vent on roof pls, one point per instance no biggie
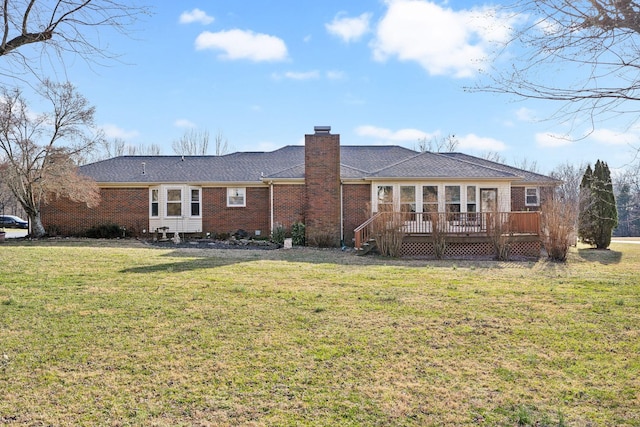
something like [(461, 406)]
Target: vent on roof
[(144, 169), (322, 129)]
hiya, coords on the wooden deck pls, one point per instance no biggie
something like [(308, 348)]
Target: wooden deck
[(454, 227)]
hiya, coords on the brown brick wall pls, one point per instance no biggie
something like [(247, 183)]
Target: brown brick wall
[(126, 207), (322, 178), (357, 208), (218, 218), (517, 199), (289, 204), (518, 202)]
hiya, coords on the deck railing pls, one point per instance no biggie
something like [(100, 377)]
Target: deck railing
[(451, 223)]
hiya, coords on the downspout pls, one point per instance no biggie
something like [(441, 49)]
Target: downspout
[(271, 207), (342, 245)]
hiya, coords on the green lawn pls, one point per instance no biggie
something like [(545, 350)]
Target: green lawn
[(118, 333)]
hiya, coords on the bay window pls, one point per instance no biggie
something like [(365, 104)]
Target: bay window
[(174, 202), (155, 200), (195, 202)]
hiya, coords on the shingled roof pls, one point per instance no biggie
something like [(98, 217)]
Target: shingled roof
[(527, 176), (357, 162)]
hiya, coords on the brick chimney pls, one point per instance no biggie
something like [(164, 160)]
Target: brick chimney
[(322, 181)]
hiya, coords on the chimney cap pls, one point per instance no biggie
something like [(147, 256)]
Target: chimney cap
[(322, 129)]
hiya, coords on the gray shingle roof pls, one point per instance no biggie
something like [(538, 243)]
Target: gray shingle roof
[(433, 165), (357, 162), (527, 176)]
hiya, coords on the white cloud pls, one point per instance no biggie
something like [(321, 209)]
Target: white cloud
[(307, 75), (441, 40), (184, 123), (401, 135), (478, 143), (239, 44), (525, 114), (267, 146), (335, 75), (349, 29), (611, 137), (195, 15), (552, 140), (113, 131)]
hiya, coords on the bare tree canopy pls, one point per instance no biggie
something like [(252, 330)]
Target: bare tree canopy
[(192, 143), (583, 53), (38, 151), (59, 26), (196, 143), (445, 144)]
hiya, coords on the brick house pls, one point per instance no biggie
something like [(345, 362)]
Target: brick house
[(331, 188)]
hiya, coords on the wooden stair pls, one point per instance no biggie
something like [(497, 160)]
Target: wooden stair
[(367, 247)]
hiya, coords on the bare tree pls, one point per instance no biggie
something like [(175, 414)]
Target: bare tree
[(118, 147), (38, 165), (445, 144), (494, 156), (222, 144), (526, 164), (59, 27), (143, 150), (114, 147), (571, 176), (627, 192), (562, 210), (192, 143), (597, 40)]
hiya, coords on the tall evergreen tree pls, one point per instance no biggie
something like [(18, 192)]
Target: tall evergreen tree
[(598, 214), (586, 223)]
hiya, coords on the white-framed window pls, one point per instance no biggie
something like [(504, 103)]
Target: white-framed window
[(429, 198), (452, 198), (472, 205), (195, 201), (154, 202), (174, 202), (236, 197), (531, 196), (407, 198), (385, 198)]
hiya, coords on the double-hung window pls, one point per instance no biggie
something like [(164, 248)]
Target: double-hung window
[(452, 198), (532, 196), (155, 202), (174, 202), (195, 202), (385, 198), (472, 204), (236, 197), (408, 201), (429, 199)]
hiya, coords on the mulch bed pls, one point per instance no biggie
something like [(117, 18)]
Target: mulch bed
[(245, 244)]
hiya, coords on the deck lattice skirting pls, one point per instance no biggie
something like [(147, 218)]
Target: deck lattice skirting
[(422, 247)]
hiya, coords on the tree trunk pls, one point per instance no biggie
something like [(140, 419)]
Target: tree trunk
[(37, 229)]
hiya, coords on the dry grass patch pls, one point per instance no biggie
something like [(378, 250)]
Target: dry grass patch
[(124, 334)]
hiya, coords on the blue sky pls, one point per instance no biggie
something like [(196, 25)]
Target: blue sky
[(377, 72)]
